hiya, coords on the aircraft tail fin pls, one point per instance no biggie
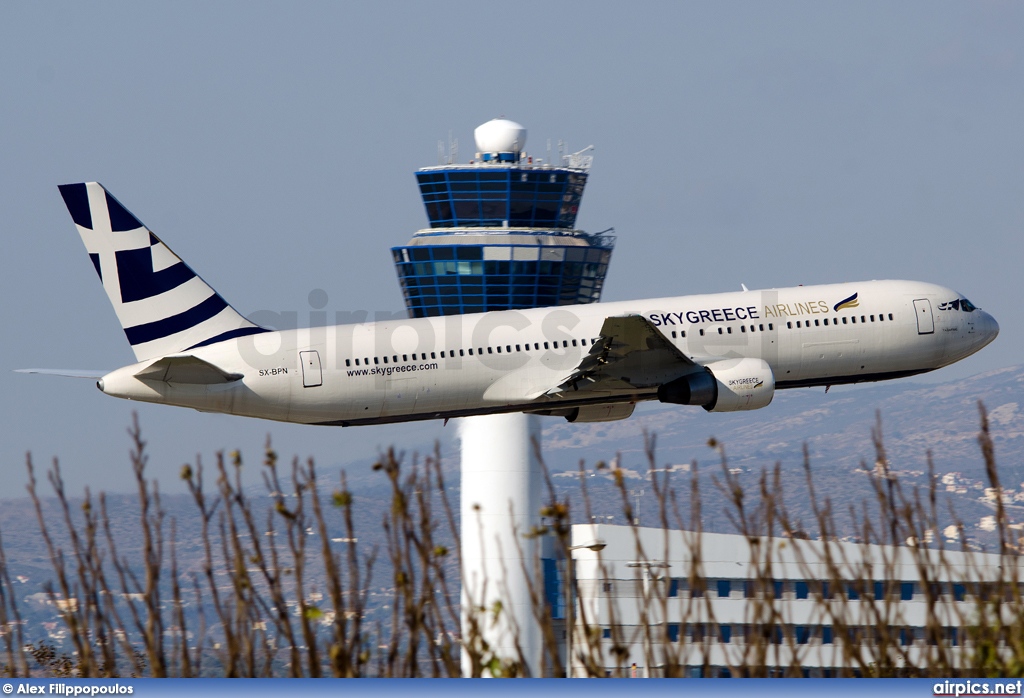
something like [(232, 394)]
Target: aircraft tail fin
[(164, 306)]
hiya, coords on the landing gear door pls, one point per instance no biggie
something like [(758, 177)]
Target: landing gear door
[(312, 372), (925, 322)]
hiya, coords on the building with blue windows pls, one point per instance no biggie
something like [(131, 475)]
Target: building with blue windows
[(652, 602), (502, 232)]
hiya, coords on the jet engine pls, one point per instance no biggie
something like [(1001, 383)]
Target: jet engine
[(729, 385)]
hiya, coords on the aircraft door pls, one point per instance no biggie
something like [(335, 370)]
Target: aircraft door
[(399, 395), (312, 372), (925, 321)]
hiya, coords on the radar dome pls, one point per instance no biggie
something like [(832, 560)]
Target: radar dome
[(500, 136)]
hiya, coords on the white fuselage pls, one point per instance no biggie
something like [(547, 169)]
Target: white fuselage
[(440, 367)]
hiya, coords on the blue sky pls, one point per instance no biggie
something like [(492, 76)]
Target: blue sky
[(272, 145)]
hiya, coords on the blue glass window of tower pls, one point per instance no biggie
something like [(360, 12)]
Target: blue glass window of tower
[(455, 279), (484, 197)]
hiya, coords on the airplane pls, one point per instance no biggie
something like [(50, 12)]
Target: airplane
[(587, 363)]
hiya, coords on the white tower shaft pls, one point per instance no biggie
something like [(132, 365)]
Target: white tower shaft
[(501, 487)]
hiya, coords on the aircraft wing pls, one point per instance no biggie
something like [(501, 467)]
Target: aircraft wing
[(630, 356), (185, 368)]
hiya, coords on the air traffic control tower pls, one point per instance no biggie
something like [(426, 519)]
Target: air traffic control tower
[(502, 236), (502, 232)]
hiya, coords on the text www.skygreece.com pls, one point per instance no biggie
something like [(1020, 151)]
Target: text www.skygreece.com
[(977, 688), (388, 370)]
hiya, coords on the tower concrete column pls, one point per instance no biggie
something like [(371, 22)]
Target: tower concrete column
[(501, 495)]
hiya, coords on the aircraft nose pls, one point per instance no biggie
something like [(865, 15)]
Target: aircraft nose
[(989, 327)]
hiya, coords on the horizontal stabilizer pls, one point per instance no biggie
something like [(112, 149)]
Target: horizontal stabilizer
[(186, 369), (66, 372)]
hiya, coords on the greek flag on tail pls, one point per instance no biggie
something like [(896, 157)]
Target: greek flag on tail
[(163, 306)]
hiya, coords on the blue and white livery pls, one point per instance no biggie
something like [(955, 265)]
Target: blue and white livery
[(723, 352), (164, 307)]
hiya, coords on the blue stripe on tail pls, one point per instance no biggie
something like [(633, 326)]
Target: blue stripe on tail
[(138, 280), (121, 219), (176, 323), (76, 198)]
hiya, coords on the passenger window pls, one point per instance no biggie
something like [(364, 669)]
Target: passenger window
[(545, 345), (565, 343), (471, 351), (771, 326), (719, 330), (499, 349), (385, 359), (462, 352), (433, 355), (789, 325), (853, 320), (728, 330), (375, 361), (518, 349), (673, 334), (395, 358), (862, 318), (844, 320), (490, 350), (357, 362), (574, 342), (508, 348), (442, 354), (683, 333), (702, 333), (537, 346), (743, 328), (347, 362), (890, 316), (405, 357), (872, 318), (761, 327), (816, 323)]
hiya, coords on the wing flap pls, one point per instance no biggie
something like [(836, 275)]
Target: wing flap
[(185, 368), (631, 356)]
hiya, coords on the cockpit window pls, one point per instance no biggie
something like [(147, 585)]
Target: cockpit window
[(959, 304)]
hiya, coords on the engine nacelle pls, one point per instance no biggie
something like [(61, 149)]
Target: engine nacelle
[(601, 413), (729, 385)]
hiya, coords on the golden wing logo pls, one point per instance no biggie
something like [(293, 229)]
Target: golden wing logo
[(850, 302)]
